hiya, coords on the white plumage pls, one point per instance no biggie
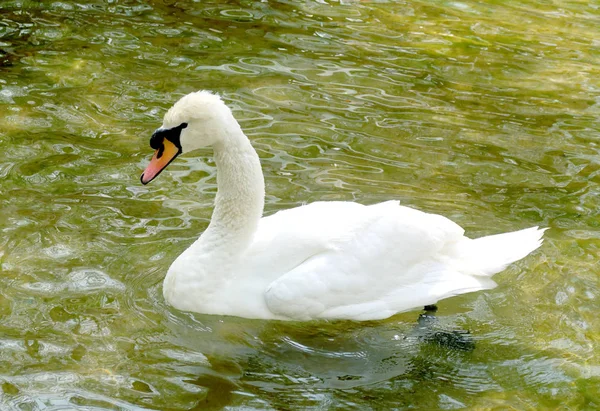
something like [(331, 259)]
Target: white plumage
[(336, 260)]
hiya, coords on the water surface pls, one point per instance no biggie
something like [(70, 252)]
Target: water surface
[(486, 112)]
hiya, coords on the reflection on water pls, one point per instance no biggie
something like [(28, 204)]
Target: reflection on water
[(486, 113)]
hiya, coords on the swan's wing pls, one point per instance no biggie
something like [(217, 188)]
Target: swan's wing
[(387, 259), (289, 237)]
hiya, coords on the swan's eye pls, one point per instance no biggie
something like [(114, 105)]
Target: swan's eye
[(156, 141)]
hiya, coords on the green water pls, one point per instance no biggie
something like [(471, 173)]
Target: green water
[(486, 112)]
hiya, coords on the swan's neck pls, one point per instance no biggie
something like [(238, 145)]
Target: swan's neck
[(240, 196)]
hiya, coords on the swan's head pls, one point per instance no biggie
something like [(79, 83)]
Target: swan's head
[(197, 120)]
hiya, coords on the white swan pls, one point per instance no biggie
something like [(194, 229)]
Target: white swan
[(333, 260)]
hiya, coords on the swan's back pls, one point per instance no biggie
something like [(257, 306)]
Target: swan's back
[(289, 237)]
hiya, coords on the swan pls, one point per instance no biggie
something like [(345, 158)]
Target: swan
[(324, 260)]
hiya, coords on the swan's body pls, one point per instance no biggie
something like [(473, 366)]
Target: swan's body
[(336, 260)]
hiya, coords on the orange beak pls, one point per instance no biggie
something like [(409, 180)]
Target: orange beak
[(160, 160)]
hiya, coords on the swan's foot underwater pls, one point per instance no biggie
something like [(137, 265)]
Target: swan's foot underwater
[(455, 339)]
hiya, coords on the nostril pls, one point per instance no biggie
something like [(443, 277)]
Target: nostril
[(161, 150)]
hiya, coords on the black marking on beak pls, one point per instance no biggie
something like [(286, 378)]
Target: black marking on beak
[(172, 134)]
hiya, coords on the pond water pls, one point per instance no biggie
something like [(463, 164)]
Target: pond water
[(485, 112)]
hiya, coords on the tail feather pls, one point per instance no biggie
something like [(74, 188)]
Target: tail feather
[(492, 254), (469, 266)]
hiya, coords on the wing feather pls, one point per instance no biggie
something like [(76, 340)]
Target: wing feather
[(358, 258)]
